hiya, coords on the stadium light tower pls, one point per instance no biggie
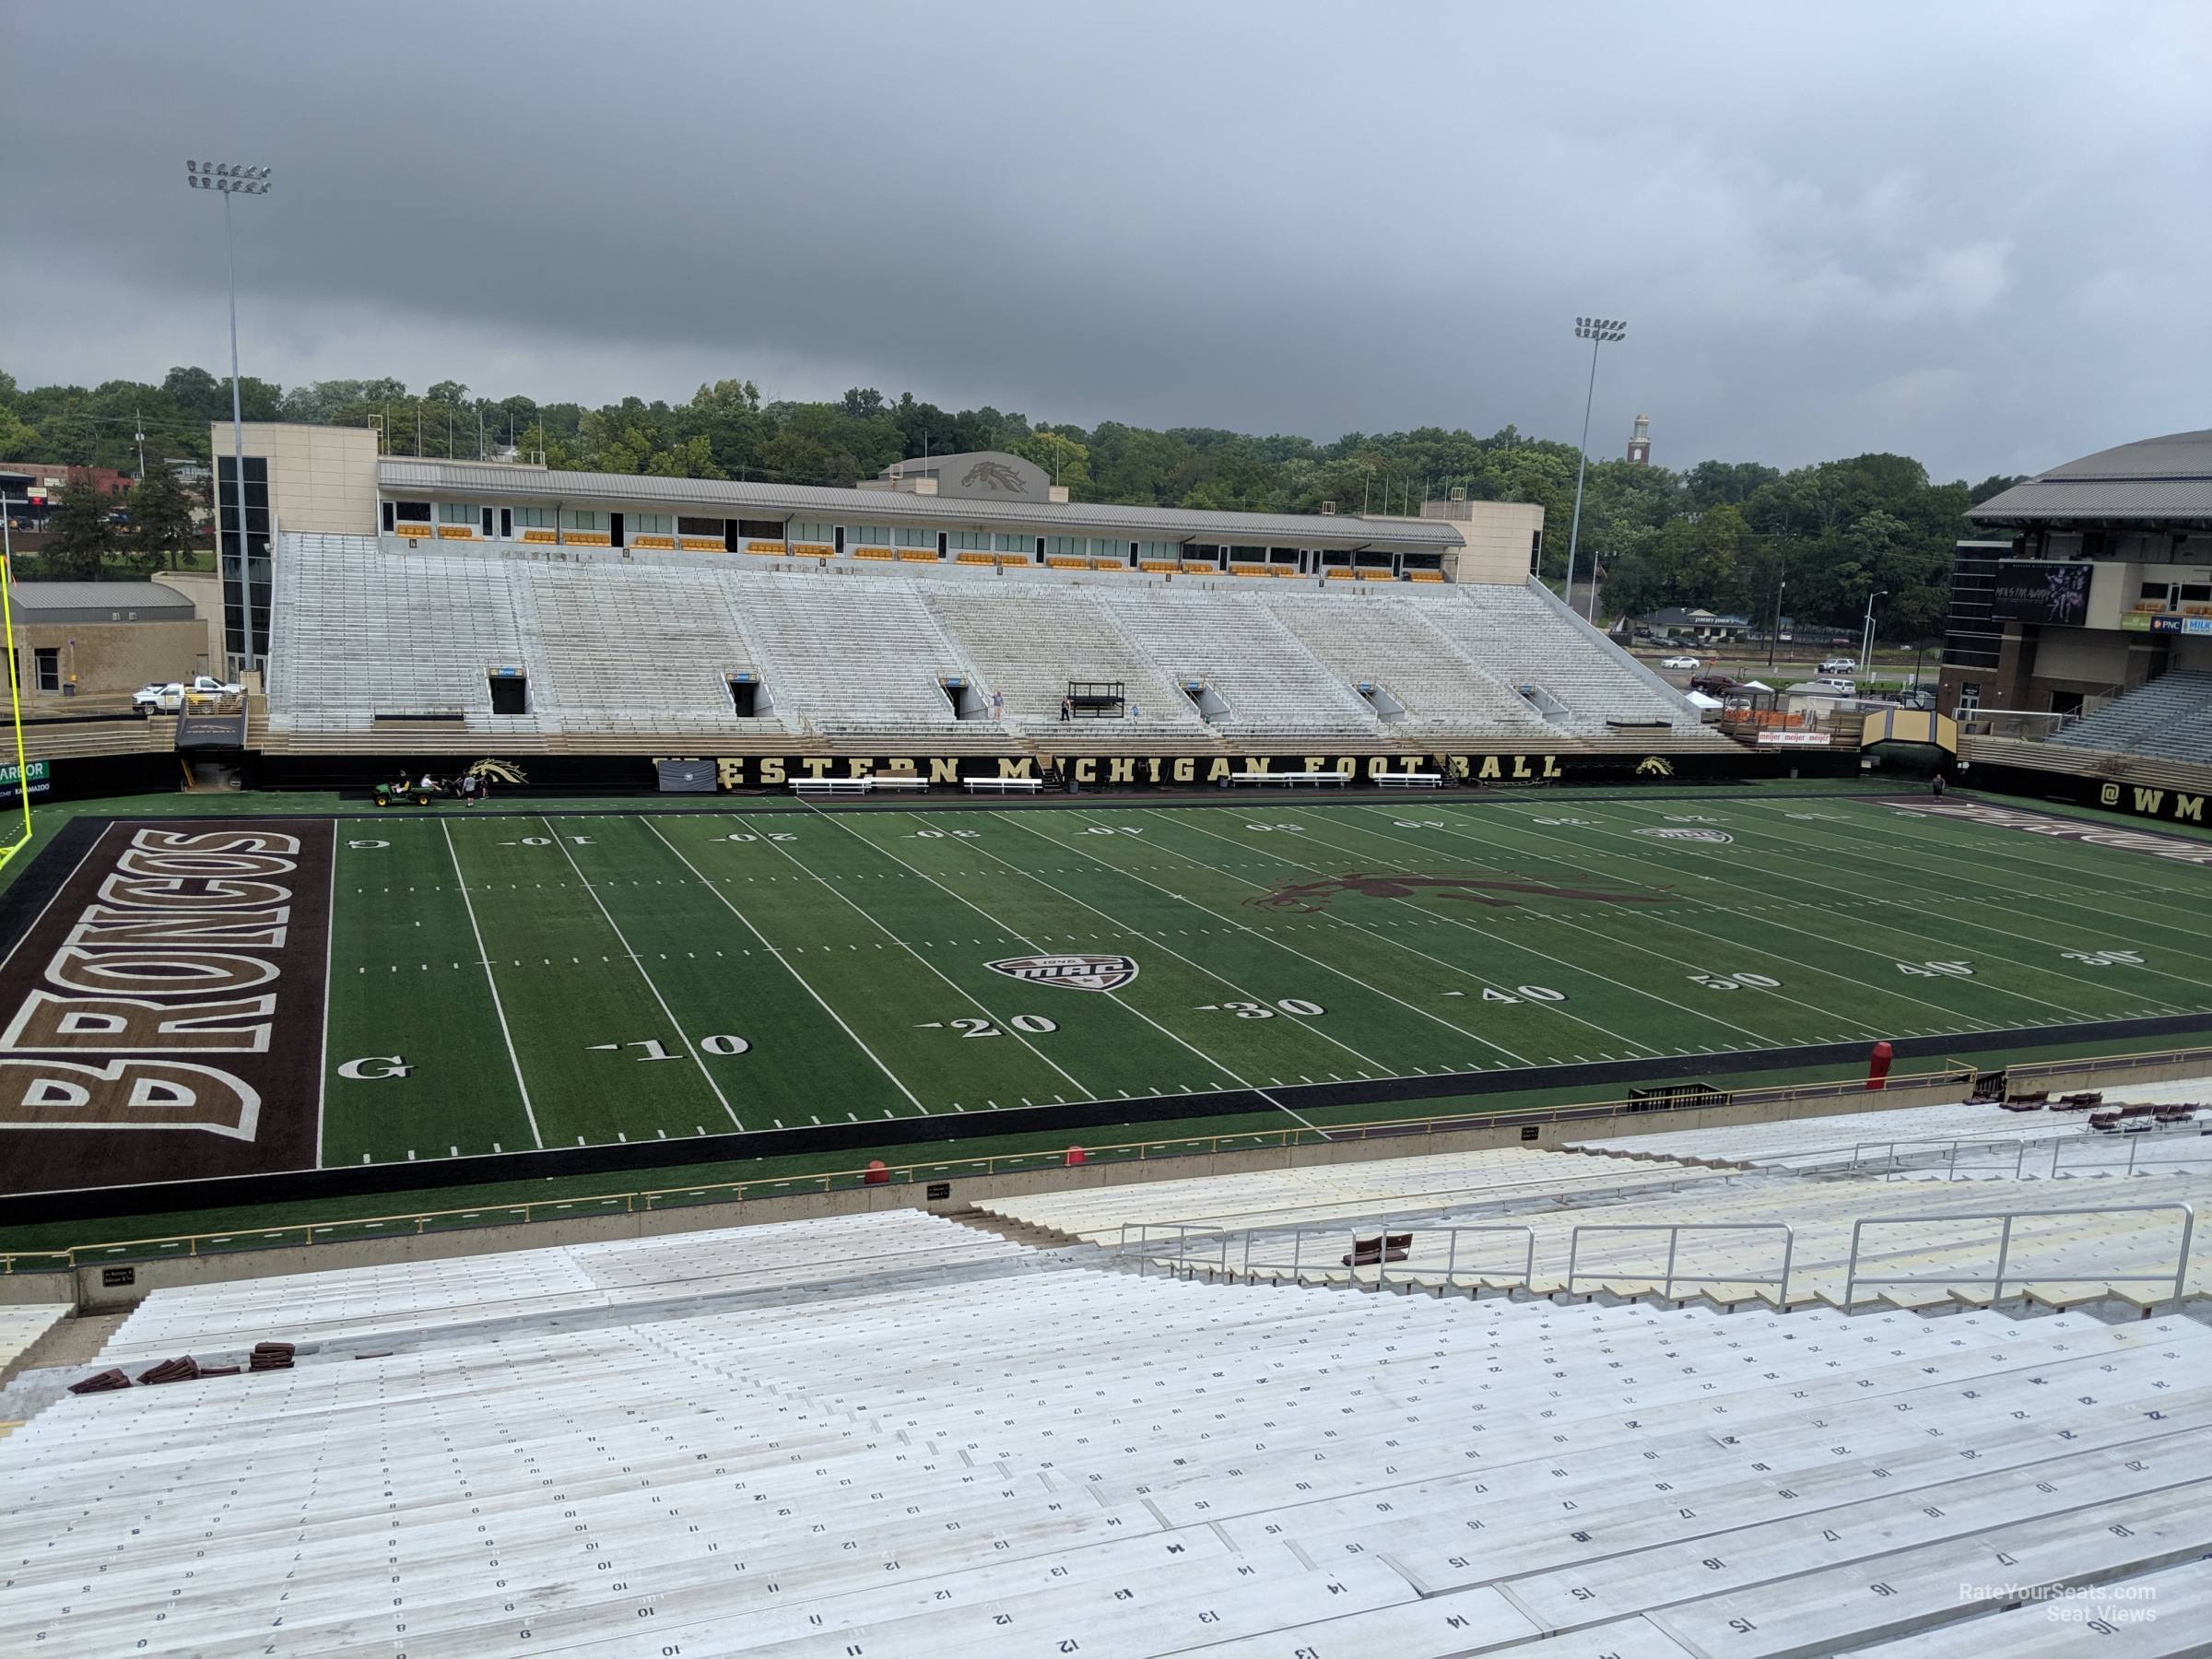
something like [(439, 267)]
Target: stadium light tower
[(1598, 331), (227, 178)]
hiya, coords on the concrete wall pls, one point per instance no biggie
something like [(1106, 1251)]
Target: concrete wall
[(1496, 536), (205, 589), (320, 477), (107, 658)]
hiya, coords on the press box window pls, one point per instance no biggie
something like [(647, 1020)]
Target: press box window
[(416, 513), (455, 513), (760, 529)]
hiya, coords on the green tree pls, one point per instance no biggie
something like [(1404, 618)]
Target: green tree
[(1064, 461), (161, 511), (80, 534)]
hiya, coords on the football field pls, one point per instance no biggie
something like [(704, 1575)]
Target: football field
[(500, 982), (584, 978)]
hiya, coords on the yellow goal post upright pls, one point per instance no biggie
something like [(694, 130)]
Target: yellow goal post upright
[(15, 706)]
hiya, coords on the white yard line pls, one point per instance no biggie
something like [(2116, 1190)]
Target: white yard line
[(1925, 1003), (330, 933), (1081, 1086), (675, 1024), (1958, 854), (1790, 872), (1113, 997), (1825, 1014), (491, 981), (1342, 974), (1482, 933), (1190, 962), (106, 829), (780, 957)]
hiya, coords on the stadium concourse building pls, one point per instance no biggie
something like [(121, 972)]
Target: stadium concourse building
[(2089, 581), (955, 616)]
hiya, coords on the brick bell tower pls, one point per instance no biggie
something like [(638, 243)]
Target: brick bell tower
[(1640, 443)]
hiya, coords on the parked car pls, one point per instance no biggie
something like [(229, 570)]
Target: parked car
[(167, 697), (1846, 666), (1836, 688), (1679, 661)]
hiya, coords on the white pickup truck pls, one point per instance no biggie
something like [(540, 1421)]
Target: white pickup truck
[(160, 698)]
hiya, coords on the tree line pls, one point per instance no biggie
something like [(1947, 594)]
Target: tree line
[(1729, 537)]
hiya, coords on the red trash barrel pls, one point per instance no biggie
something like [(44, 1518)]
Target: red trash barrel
[(1877, 1066), (876, 1174), (1075, 1156)]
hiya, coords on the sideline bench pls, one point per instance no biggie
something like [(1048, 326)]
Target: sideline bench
[(853, 785), (1410, 779), (1287, 779), (1004, 786)]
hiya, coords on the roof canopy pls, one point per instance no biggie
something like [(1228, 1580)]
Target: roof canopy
[(2153, 480), (483, 481)]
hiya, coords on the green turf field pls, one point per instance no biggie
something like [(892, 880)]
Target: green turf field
[(589, 977)]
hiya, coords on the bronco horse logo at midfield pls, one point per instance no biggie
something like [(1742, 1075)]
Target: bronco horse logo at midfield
[(1309, 898)]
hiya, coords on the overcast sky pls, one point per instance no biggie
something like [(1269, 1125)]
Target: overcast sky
[(1977, 233)]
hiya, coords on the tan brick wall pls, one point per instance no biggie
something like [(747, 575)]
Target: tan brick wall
[(107, 658)]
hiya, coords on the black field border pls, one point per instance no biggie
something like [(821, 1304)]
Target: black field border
[(1617, 1075)]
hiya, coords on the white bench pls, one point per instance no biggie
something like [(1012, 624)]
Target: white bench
[(1410, 779), (1004, 786), (853, 785), (1287, 778)]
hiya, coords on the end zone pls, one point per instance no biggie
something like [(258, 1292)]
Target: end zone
[(162, 1014)]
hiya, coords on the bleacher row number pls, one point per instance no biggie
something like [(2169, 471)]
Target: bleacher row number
[(1297, 1006), (720, 1043), (1734, 982)]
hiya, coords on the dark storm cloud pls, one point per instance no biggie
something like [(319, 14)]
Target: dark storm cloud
[(1968, 233)]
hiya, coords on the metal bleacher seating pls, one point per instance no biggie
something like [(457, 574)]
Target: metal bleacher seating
[(850, 652), (1233, 644), (412, 1300), (1029, 640), (1525, 637), (1389, 642), (2171, 717), (378, 639), (1094, 1463)]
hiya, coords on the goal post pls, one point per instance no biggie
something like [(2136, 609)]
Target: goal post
[(18, 833)]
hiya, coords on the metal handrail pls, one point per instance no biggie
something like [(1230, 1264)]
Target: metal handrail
[(1674, 1231), (1383, 1229), (1182, 1260), (2136, 1143), (1853, 1278)]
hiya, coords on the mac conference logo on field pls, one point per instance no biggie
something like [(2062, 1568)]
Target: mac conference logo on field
[(1691, 835), (1069, 972)]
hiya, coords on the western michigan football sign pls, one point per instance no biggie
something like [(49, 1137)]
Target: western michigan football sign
[(1133, 771), (161, 1017)]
